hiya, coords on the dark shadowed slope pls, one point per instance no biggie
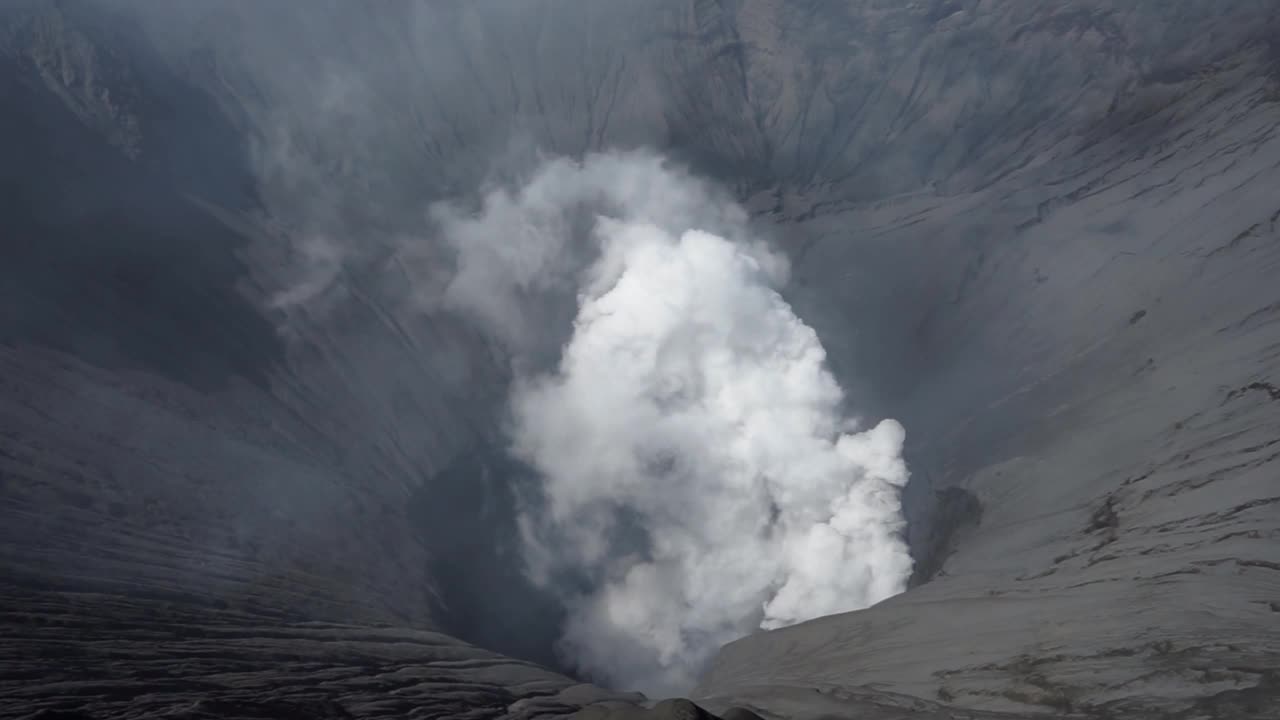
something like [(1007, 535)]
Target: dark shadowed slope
[(1041, 234)]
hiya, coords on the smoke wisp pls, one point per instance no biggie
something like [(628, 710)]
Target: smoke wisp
[(700, 479)]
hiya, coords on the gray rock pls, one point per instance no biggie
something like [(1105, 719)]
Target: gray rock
[(671, 709), (1043, 235)]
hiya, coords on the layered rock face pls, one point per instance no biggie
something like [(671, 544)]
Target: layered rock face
[(244, 476), (1100, 418)]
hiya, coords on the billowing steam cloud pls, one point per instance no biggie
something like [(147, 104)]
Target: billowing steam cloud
[(699, 478)]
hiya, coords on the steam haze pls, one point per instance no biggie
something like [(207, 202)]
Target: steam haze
[(700, 474), (700, 479), (496, 359)]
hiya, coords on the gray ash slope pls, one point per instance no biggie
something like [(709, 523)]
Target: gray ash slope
[(1043, 235)]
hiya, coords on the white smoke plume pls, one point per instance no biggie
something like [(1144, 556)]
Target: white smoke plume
[(699, 478)]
